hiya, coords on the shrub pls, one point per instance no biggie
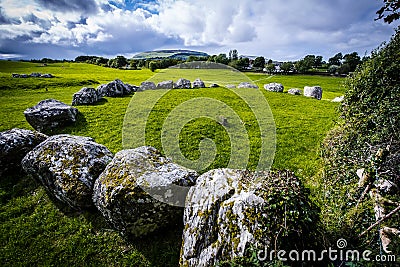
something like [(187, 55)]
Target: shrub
[(363, 152)]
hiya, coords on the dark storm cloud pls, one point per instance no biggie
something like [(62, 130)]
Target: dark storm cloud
[(83, 6), (72, 24), (43, 23)]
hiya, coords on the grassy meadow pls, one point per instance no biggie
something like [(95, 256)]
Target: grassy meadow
[(33, 231)]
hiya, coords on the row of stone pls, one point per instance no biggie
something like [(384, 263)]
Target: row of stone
[(117, 88), (33, 75), (309, 91), (133, 190)]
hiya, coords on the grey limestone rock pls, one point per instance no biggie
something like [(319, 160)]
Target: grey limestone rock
[(136, 190), (85, 96), (313, 91), (183, 84), (50, 114), (14, 145), (274, 87), (67, 166)]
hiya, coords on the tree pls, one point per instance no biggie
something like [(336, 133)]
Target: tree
[(318, 61), (353, 60), (222, 59), (153, 66), (259, 62), (389, 12), (362, 150), (270, 68), (118, 62), (233, 55), (336, 59), (287, 67)]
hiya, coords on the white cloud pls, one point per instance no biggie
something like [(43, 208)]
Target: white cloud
[(279, 30)]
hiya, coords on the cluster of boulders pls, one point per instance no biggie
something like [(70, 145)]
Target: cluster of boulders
[(309, 91), (33, 75), (89, 96), (139, 191), (179, 84)]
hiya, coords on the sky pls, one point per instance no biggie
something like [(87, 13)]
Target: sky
[(279, 30)]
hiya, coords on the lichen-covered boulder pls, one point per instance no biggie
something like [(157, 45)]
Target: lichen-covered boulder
[(165, 85), (274, 87), (313, 91), (229, 212), (247, 85), (183, 84), (116, 88), (136, 190), (14, 145), (67, 166), (198, 83), (294, 91), (50, 114), (85, 96)]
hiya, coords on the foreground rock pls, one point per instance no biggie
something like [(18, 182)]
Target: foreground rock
[(115, 88), (165, 85), (14, 145), (136, 189), (313, 91), (50, 114), (294, 91), (198, 84), (247, 85), (85, 96), (147, 86), (183, 84), (67, 167), (231, 211), (274, 87)]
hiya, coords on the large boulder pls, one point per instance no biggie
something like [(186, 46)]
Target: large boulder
[(115, 88), (274, 87), (67, 166), (247, 85), (136, 190), (313, 91), (165, 85), (14, 145), (50, 114), (85, 96), (183, 84), (198, 83), (228, 212), (147, 86)]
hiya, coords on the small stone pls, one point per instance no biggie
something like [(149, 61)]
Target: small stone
[(294, 91)]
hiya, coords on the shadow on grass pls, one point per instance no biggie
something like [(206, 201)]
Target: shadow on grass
[(80, 124)]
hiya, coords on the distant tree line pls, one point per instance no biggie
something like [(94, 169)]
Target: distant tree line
[(338, 64)]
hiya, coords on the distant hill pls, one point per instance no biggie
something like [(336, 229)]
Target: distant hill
[(177, 54)]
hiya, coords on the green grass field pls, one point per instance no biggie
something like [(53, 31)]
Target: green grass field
[(33, 231)]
